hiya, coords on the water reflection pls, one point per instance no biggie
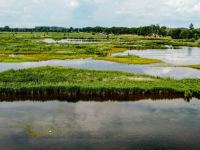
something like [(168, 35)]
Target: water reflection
[(173, 72), (146, 124), (182, 56), (78, 41), (189, 51)]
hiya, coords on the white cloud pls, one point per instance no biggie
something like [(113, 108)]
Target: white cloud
[(36, 1), (26, 17), (175, 2), (10, 13), (101, 12), (74, 3)]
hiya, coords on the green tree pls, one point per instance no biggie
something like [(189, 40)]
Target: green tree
[(191, 26), (176, 34)]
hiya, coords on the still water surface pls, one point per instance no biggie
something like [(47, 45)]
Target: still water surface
[(144, 124), (174, 72), (182, 56), (78, 41)]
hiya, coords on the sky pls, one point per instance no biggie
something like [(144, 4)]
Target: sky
[(105, 13)]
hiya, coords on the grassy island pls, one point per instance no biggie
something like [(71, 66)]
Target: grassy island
[(49, 80), (129, 59), (194, 66)]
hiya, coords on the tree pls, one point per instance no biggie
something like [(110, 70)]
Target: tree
[(183, 34), (6, 28), (176, 34), (162, 31), (191, 26)]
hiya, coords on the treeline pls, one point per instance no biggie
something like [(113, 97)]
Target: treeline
[(185, 34), (152, 30), (144, 31)]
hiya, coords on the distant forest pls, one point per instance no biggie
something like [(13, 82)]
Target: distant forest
[(152, 30)]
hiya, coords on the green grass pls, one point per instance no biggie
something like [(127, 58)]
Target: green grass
[(49, 80), (193, 66), (129, 59)]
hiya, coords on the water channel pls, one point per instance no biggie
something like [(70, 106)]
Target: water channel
[(122, 124), (174, 72), (182, 56)]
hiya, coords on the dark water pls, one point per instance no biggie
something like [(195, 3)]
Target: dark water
[(178, 72), (144, 124), (182, 56), (76, 41)]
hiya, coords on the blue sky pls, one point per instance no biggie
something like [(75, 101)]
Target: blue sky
[(106, 13)]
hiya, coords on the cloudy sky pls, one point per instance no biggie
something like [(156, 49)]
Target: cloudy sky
[(106, 13)]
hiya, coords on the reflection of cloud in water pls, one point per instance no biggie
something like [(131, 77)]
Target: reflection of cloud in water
[(115, 121), (108, 65), (184, 56), (175, 72)]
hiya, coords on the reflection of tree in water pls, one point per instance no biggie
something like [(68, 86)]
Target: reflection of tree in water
[(189, 51)]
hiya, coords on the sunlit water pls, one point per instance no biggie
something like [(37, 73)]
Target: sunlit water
[(144, 124)]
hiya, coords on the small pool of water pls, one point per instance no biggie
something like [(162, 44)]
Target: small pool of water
[(144, 124), (76, 41), (174, 72), (183, 56), (16, 55)]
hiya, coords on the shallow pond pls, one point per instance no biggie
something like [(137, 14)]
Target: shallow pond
[(76, 41), (173, 72), (182, 56), (144, 124)]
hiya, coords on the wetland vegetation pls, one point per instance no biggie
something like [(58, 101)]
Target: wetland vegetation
[(26, 47), (48, 80), (33, 49)]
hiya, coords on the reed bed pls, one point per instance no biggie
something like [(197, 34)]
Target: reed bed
[(50, 80)]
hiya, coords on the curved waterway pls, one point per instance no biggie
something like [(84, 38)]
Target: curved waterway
[(145, 124), (173, 72)]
